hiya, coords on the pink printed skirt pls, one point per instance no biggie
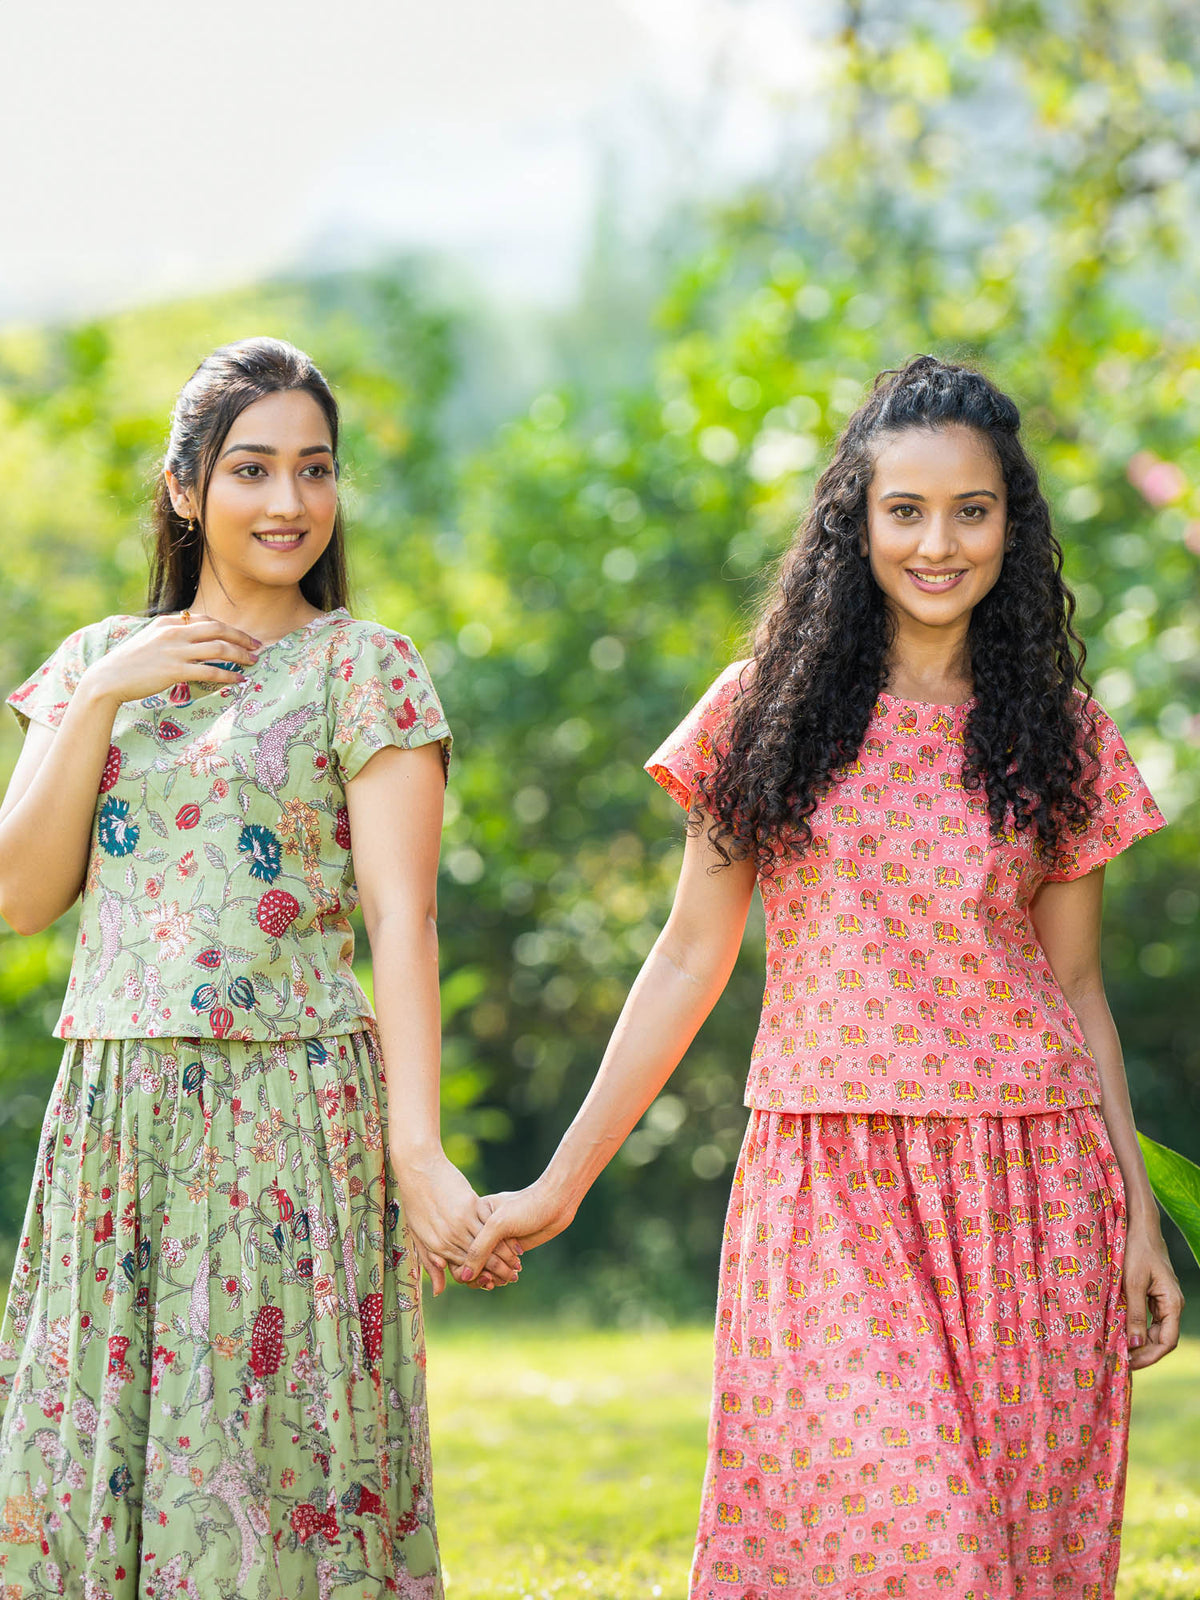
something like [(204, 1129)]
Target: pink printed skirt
[(921, 1380)]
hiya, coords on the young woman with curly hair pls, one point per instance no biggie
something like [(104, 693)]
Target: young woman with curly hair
[(942, 1256), (211, 1362)]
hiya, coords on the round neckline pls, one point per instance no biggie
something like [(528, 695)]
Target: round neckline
[(927, 705), (295, 633)]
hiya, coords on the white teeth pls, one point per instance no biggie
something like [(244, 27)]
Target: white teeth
[(278, 538), (941, 577)]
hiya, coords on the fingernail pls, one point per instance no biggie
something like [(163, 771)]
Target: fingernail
[(258, 644), (1135, 1340)]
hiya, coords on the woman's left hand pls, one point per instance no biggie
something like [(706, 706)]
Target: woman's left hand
[(443, 1213), (1150, 1284)]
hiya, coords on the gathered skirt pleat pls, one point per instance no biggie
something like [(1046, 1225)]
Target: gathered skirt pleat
[(921, 1376), (212, 1362)]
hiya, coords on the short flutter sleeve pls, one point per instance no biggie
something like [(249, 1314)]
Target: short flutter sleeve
[(383, 695), (45, 696), (691, 752), (1125, 812)]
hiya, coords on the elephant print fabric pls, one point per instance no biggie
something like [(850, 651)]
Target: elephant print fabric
[(921, 1382), (903, 972), (212, 1364)]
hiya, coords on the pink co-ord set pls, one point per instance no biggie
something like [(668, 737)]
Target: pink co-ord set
[(921, 1379)]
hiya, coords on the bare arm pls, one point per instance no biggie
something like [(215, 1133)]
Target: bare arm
[(395, 807), (46, 817), (1066, 918), (680, 982)]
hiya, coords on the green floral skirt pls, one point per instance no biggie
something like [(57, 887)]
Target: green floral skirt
[(212, 1365)]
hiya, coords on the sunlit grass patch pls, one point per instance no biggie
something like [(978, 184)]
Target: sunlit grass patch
[(569, 1463), (1160, 1557)]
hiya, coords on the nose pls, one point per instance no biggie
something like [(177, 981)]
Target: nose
[(286, 502), (938, 539)]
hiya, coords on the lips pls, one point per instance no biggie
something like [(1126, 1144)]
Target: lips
[(936, 582), (281, 538)]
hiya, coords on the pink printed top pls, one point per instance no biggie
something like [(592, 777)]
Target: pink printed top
[(903, 970)]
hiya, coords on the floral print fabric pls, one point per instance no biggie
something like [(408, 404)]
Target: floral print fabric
[(903, 973), (220, 880), (211, 1362), (921, 1382)]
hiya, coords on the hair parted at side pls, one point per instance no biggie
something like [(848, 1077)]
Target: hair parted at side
[(820, 650), (210, 402)]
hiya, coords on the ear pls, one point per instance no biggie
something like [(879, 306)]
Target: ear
[(181, 499)]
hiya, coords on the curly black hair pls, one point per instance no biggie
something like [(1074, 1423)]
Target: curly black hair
[(821, 648)]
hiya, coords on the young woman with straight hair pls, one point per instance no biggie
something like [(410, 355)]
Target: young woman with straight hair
[(942, 1256), (211, 1362)]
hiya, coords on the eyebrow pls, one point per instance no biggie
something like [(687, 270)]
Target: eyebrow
[(270, 450), (973, 494)]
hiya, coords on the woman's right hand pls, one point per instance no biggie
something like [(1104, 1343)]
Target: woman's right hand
[(170, 651)]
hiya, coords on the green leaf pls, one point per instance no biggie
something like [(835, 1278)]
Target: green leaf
[(1176, 1184)]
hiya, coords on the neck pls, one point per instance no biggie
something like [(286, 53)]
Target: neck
[(929, 666), (266, 614)]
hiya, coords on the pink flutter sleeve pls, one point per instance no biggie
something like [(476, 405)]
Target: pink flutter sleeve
[(1126, 809), (691, 751)]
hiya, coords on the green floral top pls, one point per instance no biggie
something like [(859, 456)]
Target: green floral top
[(220, 880)]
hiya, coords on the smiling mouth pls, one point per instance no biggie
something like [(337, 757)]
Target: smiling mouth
[(935, 580), (285, 539)]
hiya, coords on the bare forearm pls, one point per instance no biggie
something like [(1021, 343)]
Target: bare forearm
[(666, 1006), (46, 834), (1095, 1018), (404, 951)]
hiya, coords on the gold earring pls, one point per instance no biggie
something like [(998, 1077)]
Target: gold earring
[(191, 524)]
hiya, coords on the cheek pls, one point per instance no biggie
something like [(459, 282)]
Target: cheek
[(321, 499), (229, 508), (887, 541)]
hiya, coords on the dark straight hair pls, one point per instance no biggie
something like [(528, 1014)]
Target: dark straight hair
[(209, 404)]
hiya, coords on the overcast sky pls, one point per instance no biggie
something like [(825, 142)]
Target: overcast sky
[(151, 149)]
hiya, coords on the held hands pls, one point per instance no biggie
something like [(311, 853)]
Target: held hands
[(169, 651), (444, 1215), (1150, 1285), (527, 1217)]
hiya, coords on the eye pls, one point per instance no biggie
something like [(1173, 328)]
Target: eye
[(901, 512), (319, 469), (974, 513), (250, 470)]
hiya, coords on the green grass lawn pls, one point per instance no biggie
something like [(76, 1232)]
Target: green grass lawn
[(569, 1463)]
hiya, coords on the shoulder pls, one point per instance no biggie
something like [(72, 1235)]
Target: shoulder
[(1094, 723), (708, 715), (364, 640), (95, 639), (367, 662), (98, 637), (122, 626), (731, 682)]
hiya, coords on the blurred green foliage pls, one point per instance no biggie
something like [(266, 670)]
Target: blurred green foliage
[(1006, 183)]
